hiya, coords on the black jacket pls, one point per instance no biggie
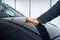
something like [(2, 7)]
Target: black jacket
[(52, 13)]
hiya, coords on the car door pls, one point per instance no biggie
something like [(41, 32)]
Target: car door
[(12, 31)]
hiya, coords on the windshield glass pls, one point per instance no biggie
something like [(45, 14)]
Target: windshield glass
[(7, 11)]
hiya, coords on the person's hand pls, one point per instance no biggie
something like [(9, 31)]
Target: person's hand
[(32, 20)]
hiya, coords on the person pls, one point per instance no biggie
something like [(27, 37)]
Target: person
[(52, 13)]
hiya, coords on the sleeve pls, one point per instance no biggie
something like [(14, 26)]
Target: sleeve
[(52, 13)]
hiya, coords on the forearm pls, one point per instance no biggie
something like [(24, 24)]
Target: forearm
[(50, 14)]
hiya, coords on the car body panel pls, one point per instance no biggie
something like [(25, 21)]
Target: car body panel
[(12, 31), (22, 21)]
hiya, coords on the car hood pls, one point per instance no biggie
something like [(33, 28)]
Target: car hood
[(22, 21)]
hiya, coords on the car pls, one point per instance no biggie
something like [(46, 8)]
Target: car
[(11, 16), (13, 26)]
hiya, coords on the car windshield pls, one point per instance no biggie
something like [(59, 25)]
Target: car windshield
[(7, 11)]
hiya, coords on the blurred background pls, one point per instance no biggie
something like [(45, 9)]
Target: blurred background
[(31, 8)]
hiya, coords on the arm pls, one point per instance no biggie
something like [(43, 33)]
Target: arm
[(52, 13)]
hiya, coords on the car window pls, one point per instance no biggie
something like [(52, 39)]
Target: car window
[(7, 11)]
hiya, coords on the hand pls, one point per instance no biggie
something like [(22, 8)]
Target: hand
[(32, 20)]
